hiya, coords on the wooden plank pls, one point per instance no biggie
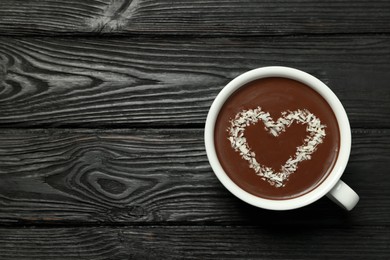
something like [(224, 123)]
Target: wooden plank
[(189, 242), (206, 17), (159, 176), (92, 82)]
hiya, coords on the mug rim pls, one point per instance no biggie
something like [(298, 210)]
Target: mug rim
[(342, 120)]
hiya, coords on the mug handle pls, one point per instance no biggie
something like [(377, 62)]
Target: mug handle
[(343, 195)]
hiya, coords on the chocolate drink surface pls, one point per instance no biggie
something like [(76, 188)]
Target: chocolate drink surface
[(276, 138)]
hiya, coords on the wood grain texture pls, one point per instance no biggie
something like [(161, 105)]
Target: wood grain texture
[(187, 242), (200, 17), (160, 176), (92, 82)]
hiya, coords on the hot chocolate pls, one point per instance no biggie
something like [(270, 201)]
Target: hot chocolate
[(276, 138)]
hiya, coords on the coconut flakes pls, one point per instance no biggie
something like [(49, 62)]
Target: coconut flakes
[(315, 130)]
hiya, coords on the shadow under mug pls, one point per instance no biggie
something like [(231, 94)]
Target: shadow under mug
[(332, 186)]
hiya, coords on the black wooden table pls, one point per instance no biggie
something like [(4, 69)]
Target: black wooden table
[(102, 109)]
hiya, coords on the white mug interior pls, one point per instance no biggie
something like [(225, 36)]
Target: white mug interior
[(309, 80)]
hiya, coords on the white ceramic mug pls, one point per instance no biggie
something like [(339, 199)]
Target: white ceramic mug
[(332, 186)]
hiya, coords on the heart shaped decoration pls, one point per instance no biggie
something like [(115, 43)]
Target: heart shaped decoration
[(315, 130)]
